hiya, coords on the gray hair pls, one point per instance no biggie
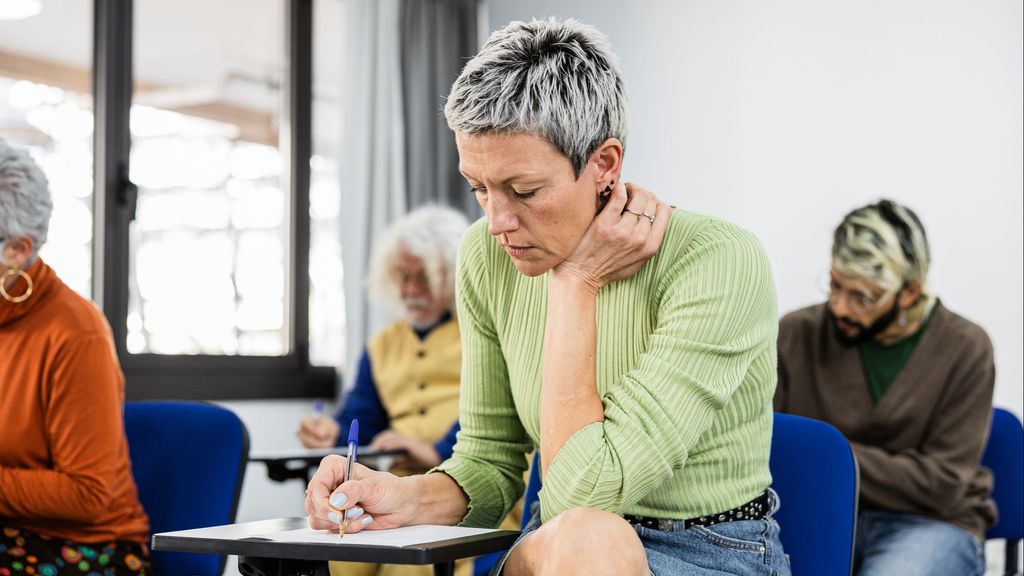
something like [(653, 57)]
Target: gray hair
[(885, 243), (25, 203), (430, 233), (556, 80)]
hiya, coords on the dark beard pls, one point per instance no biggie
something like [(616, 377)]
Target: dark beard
[(864, 333)]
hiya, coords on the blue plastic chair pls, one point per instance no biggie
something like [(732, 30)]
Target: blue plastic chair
[(815, 474), (1004, 455), (188, 460)]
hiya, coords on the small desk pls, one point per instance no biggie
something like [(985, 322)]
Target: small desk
[(286, 465), (259, 557)]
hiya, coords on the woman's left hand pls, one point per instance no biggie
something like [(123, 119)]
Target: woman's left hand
[(621, 238)]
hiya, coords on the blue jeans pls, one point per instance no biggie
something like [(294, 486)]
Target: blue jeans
[(742, 548), (894, 544)]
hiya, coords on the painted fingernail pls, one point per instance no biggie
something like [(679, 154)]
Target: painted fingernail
[(338, 500), (334, 517), (366, 521), (353, 513)]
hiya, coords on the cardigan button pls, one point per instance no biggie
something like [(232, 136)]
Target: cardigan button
[(421, 353), (423, 411), (423, 385)]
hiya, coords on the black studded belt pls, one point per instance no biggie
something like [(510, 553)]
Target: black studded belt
[(756, 509)]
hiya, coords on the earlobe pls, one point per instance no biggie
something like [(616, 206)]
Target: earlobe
[(17, 251)]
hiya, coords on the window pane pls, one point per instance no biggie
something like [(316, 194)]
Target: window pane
[(326, 295), (46, 106), (209, 245)]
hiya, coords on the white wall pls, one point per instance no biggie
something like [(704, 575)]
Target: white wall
[(782, 116), (271, 425)]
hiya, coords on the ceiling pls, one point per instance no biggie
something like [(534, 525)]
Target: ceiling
[(211, 58)]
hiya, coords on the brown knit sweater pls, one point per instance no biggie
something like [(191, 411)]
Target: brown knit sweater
[(64, 469), (919, 447)]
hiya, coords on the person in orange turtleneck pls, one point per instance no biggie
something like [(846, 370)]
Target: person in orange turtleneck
[(68, 503)]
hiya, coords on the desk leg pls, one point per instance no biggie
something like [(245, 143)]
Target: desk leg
[(444, 568), (250, 566)]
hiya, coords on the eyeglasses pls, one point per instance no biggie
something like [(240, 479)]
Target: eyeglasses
[(857, 300)]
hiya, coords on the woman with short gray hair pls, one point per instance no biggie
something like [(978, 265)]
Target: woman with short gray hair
[(68, 504), (630, 343)]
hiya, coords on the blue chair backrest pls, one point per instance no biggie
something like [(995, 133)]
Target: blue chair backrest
[(188, 460), (532, 489), (815, 474), (1004, 455)]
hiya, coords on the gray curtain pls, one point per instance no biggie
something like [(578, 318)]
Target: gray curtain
[(372, 158), (437, 38), (401, 57)]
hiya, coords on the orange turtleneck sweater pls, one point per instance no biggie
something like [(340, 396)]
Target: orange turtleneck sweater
[(64, 468)]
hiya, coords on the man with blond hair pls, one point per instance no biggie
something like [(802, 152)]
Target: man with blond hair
[(909, 383)]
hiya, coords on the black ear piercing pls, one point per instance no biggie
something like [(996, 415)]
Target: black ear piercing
[(604, 194)]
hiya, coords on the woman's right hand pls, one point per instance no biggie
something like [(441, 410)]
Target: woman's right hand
[(623, 236), (318, 431), (370, 499)]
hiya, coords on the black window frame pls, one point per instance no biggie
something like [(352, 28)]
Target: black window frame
[(156, 376)]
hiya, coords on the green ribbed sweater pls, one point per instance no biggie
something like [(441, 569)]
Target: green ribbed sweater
[(686, 369)]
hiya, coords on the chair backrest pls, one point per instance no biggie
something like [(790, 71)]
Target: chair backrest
[(815, 474), (188, 460), (1004, 455), (532, 489)]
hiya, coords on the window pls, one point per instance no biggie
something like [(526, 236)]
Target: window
[(46, 106), (212, 240), (209, 243), (326, 292)]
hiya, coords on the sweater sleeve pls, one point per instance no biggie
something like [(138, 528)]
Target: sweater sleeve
[(85, 430), (925, 479), (716, 316), (489, 459), (363, 404)]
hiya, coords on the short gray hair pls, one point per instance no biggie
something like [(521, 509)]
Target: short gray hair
[(25, 203), (556, 80), (885, 243), (430, 233)]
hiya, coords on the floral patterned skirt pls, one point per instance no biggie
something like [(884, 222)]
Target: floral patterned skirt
[(23, 552)]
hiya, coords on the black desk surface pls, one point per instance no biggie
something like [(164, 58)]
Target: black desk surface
[(299, 463), (238, 539), (313, 456)]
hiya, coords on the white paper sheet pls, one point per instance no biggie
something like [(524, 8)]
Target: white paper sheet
[(397, 537)]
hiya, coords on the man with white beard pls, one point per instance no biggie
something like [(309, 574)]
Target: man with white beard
[(406, 394)]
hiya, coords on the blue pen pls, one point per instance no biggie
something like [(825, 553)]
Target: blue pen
[(353, 445), (318, 408)]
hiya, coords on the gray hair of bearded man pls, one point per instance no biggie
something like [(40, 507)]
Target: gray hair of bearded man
[(431, 234)]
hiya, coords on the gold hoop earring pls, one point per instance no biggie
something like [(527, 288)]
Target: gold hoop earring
[(3, 285)]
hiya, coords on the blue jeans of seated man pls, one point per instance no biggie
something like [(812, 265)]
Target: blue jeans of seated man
[(895, 544), (741, 548)]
